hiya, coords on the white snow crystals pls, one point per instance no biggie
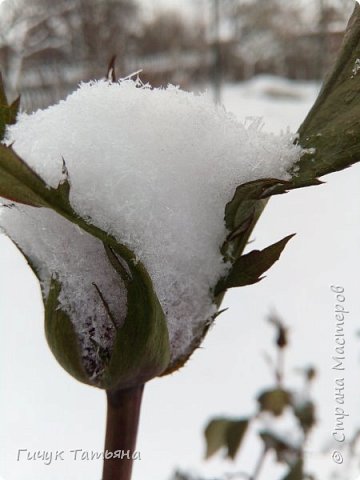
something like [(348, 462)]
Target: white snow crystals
[(153, 167)]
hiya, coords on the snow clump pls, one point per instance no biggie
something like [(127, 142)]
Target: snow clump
[(153, 167)]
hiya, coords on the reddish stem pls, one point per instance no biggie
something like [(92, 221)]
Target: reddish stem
[(123, 412)]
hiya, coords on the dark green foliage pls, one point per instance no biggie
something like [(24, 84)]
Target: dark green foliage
[(215, 435), (305, 413), (235, 434), (225, 433), (273, 403)]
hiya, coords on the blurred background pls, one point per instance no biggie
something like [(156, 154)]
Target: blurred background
[(259, 58), (47, 47)]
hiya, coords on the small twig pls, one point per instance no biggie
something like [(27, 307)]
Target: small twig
[(280, 367)]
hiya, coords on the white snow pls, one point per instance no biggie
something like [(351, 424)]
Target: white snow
[(356, 68), (155, 168)]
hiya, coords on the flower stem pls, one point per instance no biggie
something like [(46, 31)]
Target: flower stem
[(123, 412)]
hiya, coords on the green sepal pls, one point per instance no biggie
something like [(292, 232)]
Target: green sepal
[(248, 268), (18, 182), (134, 359), (61, 336), (141, 350), (225, 433), (329, 135), (243, 211)]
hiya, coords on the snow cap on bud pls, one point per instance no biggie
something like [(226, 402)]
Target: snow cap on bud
[(133, 206)]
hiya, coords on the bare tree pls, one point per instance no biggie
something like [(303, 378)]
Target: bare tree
[(261, 30), (169, 31), (43, 33)]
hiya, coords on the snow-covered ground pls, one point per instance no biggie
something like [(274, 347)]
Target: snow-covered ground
[(42, 408)]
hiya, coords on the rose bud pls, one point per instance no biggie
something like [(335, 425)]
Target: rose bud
[(133, 205)]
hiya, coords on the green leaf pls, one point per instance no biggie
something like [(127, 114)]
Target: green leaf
[(281, 330), (274, 401), (332, 127), (305, 413), (296, 471), (215, 436), (235, 434), (61, 336), (248, 269), (222, 432)]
